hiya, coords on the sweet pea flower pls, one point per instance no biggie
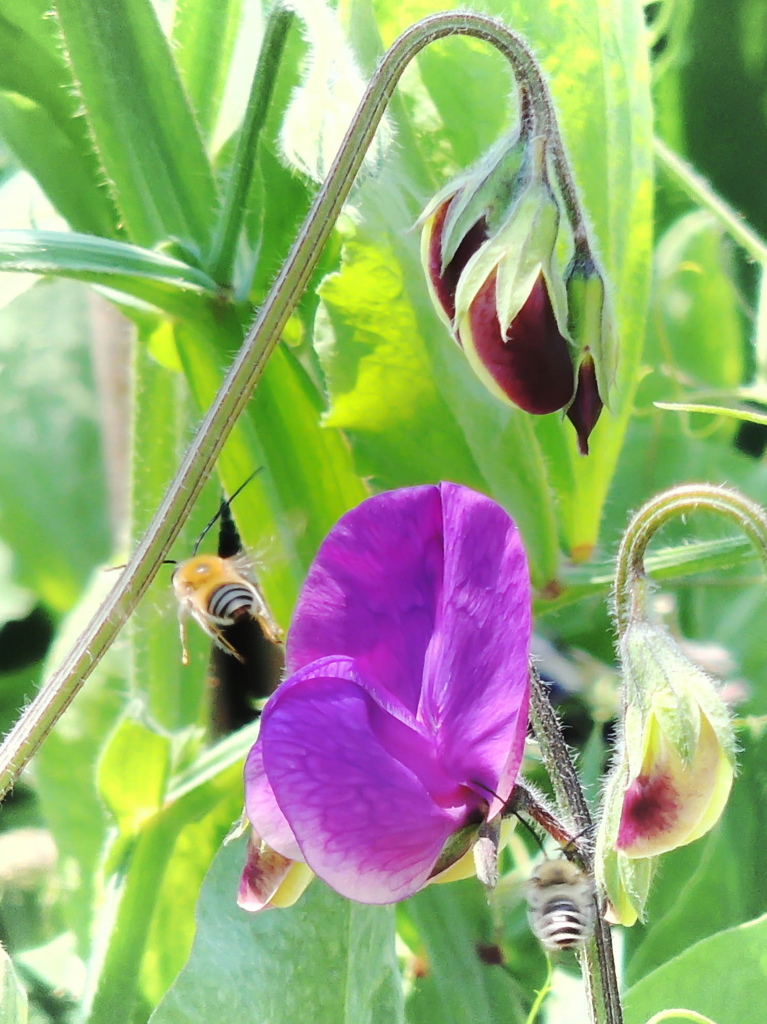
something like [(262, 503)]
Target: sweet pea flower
[(674, 766), (400, 729)]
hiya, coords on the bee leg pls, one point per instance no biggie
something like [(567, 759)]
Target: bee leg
[(182, 635), (220, 640)]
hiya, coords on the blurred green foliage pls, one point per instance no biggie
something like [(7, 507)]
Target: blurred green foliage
[(119, 127)]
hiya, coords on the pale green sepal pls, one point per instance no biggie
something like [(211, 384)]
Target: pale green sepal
[(519, 253), (519, 271), (591, 322), (657, 672), (488, 191)]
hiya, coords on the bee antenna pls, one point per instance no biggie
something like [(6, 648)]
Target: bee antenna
[(224, 504)]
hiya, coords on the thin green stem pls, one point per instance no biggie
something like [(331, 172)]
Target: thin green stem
[(541, 994), (698, 189), (62, 686), (597, 958), (630, 588), (224, 251)]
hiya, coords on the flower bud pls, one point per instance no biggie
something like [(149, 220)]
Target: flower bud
[(535, 337), (674, 769)]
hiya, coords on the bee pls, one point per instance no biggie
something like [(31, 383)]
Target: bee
[(220, 591), (560, 904)]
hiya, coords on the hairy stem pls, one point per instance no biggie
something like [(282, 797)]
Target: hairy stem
[(222, 258), (597, 959), (630, 589)]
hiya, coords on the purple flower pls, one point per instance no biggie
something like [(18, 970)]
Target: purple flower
[(404, 716)]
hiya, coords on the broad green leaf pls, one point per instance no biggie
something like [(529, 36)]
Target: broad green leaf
[(199, 836), (322, 108), (164, 417), (324, 953), (722, 977), (13, 998), (143, 129), (379, 377), (454, 924), (39, 121), (133, 772), (309, 481)]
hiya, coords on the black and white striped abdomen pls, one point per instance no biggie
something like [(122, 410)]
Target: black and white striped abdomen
[(562, 924), (233, 601), (560, 904)]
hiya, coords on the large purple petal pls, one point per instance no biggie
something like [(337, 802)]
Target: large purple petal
[(373, 590), (365, 820), (475, 695)]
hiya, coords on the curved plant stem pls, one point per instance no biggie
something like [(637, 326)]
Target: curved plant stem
[(630, 589), (237, 387)]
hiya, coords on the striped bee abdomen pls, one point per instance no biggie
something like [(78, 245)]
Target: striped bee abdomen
[(560, 904), (231, 602), (562, 924)]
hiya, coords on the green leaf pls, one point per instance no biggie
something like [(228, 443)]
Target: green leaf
[(133, 772), (204, 35), (53, 252), (324, 953), (453, 922), (729, 993), (149, 276), (62, 167), (142, 127), (13, 998), (309, 481), (379, 377)]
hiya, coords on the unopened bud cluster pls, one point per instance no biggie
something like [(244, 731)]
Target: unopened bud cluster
[(538, 336)]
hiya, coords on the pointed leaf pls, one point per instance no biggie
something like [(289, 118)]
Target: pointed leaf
[(143, 129), (325, 953)]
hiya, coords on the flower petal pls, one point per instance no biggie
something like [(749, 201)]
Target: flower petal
[(263, 810), (529, 364), (476, 683), (269, 879), (365, 822), (373, 589), (670, 805)]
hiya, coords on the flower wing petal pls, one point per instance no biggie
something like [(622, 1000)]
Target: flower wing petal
[(476, 686), (365, 822), (373, 590), (263, 810)]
